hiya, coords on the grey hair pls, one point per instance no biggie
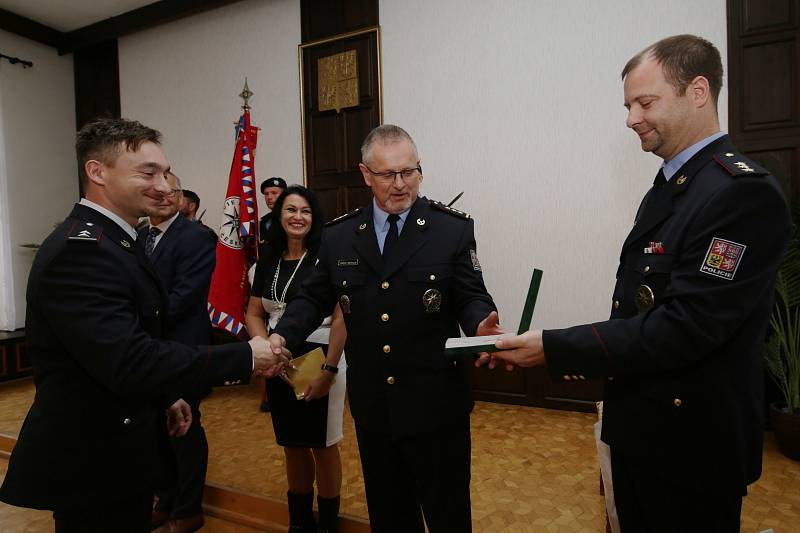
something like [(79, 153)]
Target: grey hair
[(386, 134), (177, 179)]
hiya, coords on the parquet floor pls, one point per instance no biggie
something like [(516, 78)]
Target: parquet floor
[(534, 470)]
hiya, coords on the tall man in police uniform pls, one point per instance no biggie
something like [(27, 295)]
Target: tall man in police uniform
[(682, 352), (406, 275), (89, 447)]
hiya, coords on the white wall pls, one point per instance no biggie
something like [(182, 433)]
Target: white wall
[(183, 79), (519, 104), (38, 173)]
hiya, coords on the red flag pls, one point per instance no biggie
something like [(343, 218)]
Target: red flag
[(238, 238)]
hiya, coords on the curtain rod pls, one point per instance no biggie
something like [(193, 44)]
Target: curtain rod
[(16, 60)]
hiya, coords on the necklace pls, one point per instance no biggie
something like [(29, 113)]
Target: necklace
[(282, 300)]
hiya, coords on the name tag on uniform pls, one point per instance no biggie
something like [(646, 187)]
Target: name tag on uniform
[(347, 262)]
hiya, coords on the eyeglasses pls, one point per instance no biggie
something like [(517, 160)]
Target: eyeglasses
[(390, 175), (173, 192)]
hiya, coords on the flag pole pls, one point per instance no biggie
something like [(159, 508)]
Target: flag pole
[(245, 95), (237, 246)]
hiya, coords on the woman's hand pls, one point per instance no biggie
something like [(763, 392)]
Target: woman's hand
[(319, 386)]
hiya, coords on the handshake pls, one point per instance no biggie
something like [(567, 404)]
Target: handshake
[(270, 357)]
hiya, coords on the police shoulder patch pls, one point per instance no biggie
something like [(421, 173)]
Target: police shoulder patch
[(449, 210), (738, 165), (84, 231), (341, 218), (722, 258)]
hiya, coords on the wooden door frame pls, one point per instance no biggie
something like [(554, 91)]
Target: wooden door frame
[(301, 48)]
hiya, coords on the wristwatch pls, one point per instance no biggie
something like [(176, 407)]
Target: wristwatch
[(330, 368)]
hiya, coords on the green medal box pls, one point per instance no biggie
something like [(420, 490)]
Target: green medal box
[(486, 343)]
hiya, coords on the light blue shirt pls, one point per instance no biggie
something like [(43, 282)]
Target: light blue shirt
[(672, 166), (380, 219)]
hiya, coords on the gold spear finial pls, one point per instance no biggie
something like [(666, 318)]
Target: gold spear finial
[(245, 95)]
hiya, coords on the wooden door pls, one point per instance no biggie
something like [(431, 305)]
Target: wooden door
[(764, 86), (533, 386), (332, 138)]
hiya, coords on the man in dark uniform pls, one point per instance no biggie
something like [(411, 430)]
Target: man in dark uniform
[(682, 352), (182, 253), (271, 189), (406, 275), (190, 204), (90, 446)]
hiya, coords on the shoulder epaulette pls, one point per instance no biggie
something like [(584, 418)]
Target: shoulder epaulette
[(340, 218), (85, 231), (449, 210), (738, 165)]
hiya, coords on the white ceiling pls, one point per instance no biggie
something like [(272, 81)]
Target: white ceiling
[(68, 15)]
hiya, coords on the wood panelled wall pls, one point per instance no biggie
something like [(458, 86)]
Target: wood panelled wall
[(332, 139), (326, 18), (764, 85)]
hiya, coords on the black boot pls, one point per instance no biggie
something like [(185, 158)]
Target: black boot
[(328, 514), (301, 514)]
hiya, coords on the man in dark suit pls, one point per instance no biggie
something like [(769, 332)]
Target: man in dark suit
[(90, 446), (682, 352), (184, 258), (406, 275)]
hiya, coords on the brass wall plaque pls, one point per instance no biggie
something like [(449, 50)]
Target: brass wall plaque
[(338, 81)]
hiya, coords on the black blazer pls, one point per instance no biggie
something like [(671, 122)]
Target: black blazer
[(95, 309), (184, 260), (398, 314), (684, 367)]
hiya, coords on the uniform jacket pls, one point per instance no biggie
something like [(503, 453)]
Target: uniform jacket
[(684, 365), (263, 226), (184, 261), (95, 310), (398, 314)]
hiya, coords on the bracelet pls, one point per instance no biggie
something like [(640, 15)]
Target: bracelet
[(330, 368)]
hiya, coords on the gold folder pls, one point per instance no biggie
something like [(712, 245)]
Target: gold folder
[(306, 367)]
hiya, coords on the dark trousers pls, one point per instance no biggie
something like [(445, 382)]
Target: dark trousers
[(131, 515), (408, 477), (651, 498), (184, 497)]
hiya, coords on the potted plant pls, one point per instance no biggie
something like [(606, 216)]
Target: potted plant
[(782, 354)]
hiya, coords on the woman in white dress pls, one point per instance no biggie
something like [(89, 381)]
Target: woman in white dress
[(308, 429)]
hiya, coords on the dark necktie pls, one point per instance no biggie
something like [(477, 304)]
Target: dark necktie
[(660, 178), (657, 194), (391, 237), (150, 242)]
